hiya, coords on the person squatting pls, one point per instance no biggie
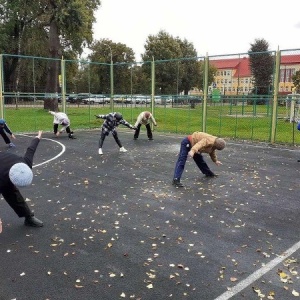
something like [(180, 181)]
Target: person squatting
[(62, 119), (112, 121)]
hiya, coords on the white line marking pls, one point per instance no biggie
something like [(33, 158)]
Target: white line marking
[(257, 274), (55, 157)]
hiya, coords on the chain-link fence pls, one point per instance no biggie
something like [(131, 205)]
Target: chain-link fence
[(240, 96)]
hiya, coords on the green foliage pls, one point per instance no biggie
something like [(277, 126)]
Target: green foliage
[(262, 66), (296, 81)]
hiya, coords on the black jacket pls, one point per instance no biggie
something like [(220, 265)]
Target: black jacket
[(7, 160)]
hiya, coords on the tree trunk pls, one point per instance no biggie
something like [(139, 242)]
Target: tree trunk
[(52, 86)]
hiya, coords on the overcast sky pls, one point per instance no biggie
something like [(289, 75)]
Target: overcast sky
[(214, 27)]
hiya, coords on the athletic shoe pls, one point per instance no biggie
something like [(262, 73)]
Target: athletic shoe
[(122, 149), (100, 151), (177, 183), (11, 145), (33, 222)]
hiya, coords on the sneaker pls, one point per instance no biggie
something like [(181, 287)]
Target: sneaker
[(177, 183), (11, 145), (122, 149), (135, 138), (150, 139), (211, 175), (33, 222), (100, 151)]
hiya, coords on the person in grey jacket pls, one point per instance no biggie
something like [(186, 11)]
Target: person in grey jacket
[(4, 130), (16, 171)]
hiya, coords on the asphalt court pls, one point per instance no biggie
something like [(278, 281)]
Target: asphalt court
[(115, 227)]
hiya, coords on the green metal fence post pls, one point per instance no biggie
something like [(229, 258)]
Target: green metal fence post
[(275, 97), (152, 87), (1, 88), (205, 90)]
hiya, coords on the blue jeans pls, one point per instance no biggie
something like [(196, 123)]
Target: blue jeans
[(182, 157)]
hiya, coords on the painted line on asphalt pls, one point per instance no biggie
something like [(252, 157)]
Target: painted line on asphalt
[(259, 273), (53, 158)]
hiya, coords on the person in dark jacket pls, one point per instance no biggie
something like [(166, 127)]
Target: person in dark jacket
[(16, 171), (194, 145), (112, 121), (4, 130)]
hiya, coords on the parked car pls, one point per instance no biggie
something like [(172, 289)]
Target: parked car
[(72, 98), (142, 99), (96, 99), (123, 99)]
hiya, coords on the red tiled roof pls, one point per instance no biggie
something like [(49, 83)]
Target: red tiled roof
[(290, 59), (242, 67)]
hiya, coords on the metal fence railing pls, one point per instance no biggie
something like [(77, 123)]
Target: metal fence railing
[(223, 99)]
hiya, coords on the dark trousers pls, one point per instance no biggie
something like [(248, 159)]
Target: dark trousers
[(55, 129), (138, 128), (16, 201), (185, 147), (104, 134), (4, 136)]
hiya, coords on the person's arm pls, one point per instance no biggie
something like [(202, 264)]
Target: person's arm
[(125, 123), (101, 116), (153, 120), (6, 128), (138, 120), (28, 157)]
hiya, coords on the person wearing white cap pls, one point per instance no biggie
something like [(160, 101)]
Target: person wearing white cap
[(4, 130), (194, 145), (16, 171), (62, 119), (144, 118)]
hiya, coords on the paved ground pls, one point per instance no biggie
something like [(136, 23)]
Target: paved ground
[(115, 228)]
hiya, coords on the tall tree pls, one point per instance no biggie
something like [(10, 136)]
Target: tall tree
[(165, 50), (103, 51), (60, 24), (262, 66)]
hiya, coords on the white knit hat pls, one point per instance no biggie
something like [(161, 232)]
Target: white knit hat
[(20, 174)]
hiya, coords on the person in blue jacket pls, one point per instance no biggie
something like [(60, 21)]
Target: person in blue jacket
[(4, 131)]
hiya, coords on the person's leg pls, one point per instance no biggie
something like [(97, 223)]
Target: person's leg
[(137, 131), (149, 132), (69, 132), (180, 164), (4, 136), (55, 128), (16, 201), (102, 138), (202, 165), (115, 135)]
